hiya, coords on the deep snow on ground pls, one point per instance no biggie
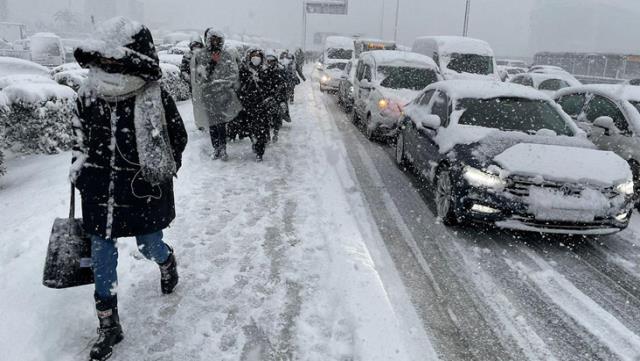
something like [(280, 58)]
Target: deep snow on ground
[(278, 261)]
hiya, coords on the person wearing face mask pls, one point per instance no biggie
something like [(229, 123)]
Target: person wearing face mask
[(215, 81), (257, 100), (129, 139)]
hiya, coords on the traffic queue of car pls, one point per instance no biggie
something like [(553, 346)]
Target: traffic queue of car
[(538, 152)]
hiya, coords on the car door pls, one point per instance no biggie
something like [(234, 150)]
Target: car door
[(414, 111), (344, 82), (364, 89), (429, 150), (356, 86), (621, 142)]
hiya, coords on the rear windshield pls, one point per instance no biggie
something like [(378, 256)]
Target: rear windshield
[(636, 104), (341, 54), (401, 77), (471, 63), (513, 114), (340, 66)]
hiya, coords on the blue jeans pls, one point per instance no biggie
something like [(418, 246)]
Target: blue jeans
[(104, 259)]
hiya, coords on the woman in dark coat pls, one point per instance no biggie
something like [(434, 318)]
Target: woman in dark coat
[(256, 99), (130, 140), (276, 83)]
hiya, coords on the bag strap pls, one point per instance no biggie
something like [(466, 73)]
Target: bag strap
[(72, 203)]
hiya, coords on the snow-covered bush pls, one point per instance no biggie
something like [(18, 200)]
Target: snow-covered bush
[(4, 111), (39, 118), (173, 83)]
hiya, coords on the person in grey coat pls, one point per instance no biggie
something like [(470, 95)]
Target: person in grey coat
[(215, 80)]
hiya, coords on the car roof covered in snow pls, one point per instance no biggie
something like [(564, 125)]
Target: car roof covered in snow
[(339, 41), (37, 92), (614, 91), (13, 66), (399, 58), (459, 44), (462, 89), (541, 77), (9, 80)]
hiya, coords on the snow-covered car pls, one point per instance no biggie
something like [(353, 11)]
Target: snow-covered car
[(174, 59), (507, 155), (548, 83), (345, 89), (47, 49), (508, 72), (386, 80), (13, 66), (72, 78), (459, 57), (512, 63), (610, 115), (331, 74)]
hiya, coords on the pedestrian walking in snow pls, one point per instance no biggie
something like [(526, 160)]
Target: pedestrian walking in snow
[(288, 61), (300, 61), (185, 66), (129, 144), (215, 81), (258, 103), (276, 83)]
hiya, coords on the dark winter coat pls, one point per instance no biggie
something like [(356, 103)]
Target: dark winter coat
[(109, 179), (139, 207), (185, 66), (254, 92), (276, 82)]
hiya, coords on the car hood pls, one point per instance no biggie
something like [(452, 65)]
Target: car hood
[(564, 164), (403, 96)]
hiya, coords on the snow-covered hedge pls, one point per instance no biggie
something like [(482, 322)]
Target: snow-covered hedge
[(39, 118), (173, 83)]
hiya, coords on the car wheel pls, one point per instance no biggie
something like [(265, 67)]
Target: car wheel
[(444, 198), (401, 158), (370, 133)]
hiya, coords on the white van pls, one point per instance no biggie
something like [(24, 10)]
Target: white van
[(337, 49), (459, 57), (47, 49)]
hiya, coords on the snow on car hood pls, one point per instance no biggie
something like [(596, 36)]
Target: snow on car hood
[(403, 96), (564, 164)]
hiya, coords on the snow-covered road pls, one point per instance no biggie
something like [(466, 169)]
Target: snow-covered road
[(493, 295), (277, 261), (326, 251)]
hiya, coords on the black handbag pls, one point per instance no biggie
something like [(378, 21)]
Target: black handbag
[(68, 262)]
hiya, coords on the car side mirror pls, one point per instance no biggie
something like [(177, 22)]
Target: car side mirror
[(607, 124), (432, 121)]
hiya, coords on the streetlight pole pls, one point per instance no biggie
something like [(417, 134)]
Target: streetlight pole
[(304, 26), (395, 32), (467, 13), (382, 21)]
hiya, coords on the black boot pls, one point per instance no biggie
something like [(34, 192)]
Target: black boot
[(169, 274), (109, 332)]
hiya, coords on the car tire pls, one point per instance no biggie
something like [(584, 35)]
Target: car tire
[(635, 170), (354, 118), (444, 198), (401, 157)]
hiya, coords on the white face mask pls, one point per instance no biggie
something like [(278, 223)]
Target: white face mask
[(256, 60), (110, 84)]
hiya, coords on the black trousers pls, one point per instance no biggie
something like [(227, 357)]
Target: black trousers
[(218, 135), (260, 129)]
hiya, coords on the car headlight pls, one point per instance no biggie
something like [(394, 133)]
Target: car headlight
[(625, 188), (478, 178), (383, 104), (351, 89), (325, 78)]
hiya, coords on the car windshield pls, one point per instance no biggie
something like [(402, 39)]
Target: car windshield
[(513, 114), (405, 77), (340, 66), (471, 63), (340, 54)]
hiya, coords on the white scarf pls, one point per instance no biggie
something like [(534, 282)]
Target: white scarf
[(157, 164)]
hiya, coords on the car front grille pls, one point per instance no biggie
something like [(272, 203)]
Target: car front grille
[(521, 187)]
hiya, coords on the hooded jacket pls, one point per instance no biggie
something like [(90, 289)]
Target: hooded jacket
[(116, 200), (214, 85)]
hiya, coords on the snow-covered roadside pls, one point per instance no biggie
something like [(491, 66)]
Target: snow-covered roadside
[(274, 263)]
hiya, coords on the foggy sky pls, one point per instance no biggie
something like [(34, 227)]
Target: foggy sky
[(505, 24)]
